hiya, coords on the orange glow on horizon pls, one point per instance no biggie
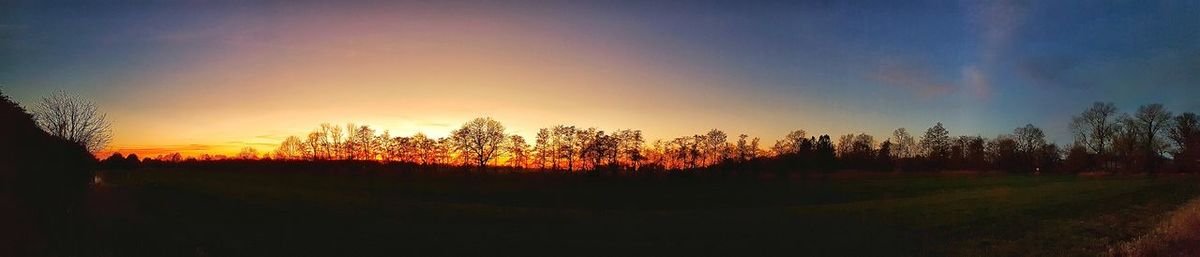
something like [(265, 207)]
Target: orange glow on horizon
[(259, 82)]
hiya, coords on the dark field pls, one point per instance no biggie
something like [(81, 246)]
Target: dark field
[(201, 213)]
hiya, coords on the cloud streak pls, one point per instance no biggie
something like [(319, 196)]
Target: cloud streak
[(151, 151), (912, 76), (997, 23)]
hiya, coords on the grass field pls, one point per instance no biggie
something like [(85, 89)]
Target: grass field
[(199, 213)]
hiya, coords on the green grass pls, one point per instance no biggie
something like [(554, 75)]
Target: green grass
[(247, 214)]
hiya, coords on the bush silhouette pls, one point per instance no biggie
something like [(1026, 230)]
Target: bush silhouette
[(40, 175)]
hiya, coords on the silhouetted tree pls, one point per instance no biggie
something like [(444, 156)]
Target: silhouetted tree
[(114, 161), (248, 153), (1096, 127), (427, 149), (518, 151), (42, 176), (1048, 158), (593, 145), (844, 145), (904, 144), (314, 148), (132, 161), (544, 152), (791, 144), (856, 150), (360, 143), (715, 147), (566, 145), (1078, 158), (332, 143), (968, 152), (1152, 121), (656, 155), (1031, 142), (176, 157), (1004, 152), (883, 157), (976, 152), (290, 149), (441, 148), (74, 119), (403, 149), (936, 144), (824, 155), (1185, 133), (479, 139), (1126, 143), (630, 147), (387, 146), (746, 150)]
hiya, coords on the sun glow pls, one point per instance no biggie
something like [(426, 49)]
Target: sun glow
[(259, 82)]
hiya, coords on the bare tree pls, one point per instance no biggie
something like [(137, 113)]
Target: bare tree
[(331, 141), (1030, 143), (361, 143), (1029, 138), (684, 151), (1154, 120), (74, 119), (427, 148), (746, 150), (402, 149), (314, 146), (385, 146), (845, 145), (904, 144), (565, 143), (479, 139), (290, 149), (715, 147), (1185, 132), (790, 144), (544, 151), (595, 147), (629, 147), (248, 153), (856, 147), (1096, 127), (518, 151), (176, 157)]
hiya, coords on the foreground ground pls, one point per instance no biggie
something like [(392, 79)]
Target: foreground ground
[(204, 213)]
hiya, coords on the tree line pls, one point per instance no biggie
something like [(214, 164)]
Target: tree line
[(1151, 139)]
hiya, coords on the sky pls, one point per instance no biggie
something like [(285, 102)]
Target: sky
[(215, 76)]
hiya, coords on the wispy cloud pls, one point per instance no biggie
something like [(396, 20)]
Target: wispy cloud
[(976, 82), (997, 23), (273, 137), (433, 124), (151, 151), (1048, 71), (244, 143), (912, 76)]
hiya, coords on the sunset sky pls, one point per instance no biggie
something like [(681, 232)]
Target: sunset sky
[(214, 76)]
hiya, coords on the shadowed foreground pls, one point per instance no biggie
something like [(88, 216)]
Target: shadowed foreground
[(155, 212), (1178, 235)]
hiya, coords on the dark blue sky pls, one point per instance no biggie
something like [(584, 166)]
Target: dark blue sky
[(982, 67)]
